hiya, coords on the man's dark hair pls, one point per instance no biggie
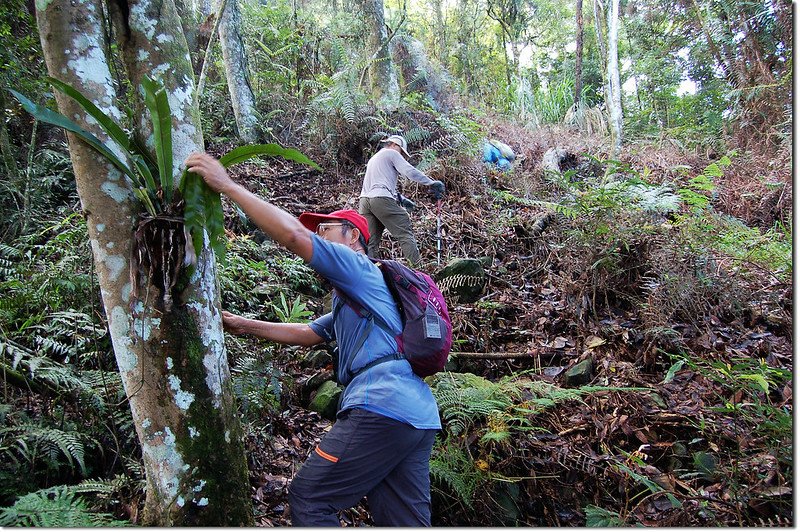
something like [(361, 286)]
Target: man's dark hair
[(346, 225)]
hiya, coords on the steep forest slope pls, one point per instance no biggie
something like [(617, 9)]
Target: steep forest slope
[(625, 363), (623, 348)]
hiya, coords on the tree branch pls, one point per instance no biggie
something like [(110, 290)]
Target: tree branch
[(201, 79)]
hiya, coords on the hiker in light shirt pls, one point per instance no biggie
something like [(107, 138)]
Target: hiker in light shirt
[(380, 203)]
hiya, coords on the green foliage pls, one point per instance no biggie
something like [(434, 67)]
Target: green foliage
[(694, 194), (246, 279), (757, 380), (465, 399), (139, 166), (30, 442), (243, 153), (652, 487), (340, 96), (153, 184), (257, 274), (40, 193), (716, 233), (47, 271), (53, 340), (297, 313), (489, 416), (257, 386), (453, 472), (55, 507), (597, 517), (551, 103)]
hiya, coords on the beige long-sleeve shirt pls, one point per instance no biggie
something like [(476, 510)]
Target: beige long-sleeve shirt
[(382, 171)]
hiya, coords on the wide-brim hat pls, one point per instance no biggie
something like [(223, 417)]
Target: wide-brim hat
[(400, 141), (311, 220)]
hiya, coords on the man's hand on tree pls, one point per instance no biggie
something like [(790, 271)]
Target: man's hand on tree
[(212, 172), (233, 323)]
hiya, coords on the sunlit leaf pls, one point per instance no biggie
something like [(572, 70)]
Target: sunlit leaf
[(44, 114), (155, 97), (244, 153), (673, 369)]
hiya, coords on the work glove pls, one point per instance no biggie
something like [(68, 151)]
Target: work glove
[(407, 204), (437, 187)]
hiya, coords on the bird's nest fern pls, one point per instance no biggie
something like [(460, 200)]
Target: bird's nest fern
[(173, 226)]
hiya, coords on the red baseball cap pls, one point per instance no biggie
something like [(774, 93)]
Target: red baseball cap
[(312, 219)]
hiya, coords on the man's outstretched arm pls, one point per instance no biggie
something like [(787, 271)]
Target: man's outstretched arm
[(283, 333)]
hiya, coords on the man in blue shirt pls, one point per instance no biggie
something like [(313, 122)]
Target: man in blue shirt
[(381, 443)]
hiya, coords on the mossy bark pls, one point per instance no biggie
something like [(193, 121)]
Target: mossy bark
[(173, 363), (382, 76), (233, 55)]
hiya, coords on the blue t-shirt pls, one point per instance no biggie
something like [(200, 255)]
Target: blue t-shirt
[(391, 388)]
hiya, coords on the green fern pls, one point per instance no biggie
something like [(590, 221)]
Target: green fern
[(416, 134), (465, 399), (257, 386), (29, 440), (453, 472), (55, 507)]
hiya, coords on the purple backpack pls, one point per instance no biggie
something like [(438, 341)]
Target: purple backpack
[(427, 332)]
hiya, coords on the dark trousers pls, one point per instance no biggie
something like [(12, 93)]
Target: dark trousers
[(366, 454), (383, 212)]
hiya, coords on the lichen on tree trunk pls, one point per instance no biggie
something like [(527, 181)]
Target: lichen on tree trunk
[(233, 55), (172, 362)]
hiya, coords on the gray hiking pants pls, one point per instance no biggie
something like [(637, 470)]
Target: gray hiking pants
[(366, 454), (383, 212)]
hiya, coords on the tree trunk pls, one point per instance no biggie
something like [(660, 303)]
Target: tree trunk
[(410, 56), (382, 77), (173, 363), (578, 51), (439, 32), (233, 55), (6, 150), (615, 110), (600, 26), (189, 22)]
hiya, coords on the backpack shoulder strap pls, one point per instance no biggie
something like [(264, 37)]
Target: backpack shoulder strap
[(343, 300)]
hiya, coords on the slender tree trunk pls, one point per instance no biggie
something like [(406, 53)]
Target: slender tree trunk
[(189, 22), (723, 62), (578, 51), (600, 26), (233, 55), (515, 56), (615, 111), (505, 56), (383, 78), (172, 363), (7, 152), (212, 33), (439, 31), (601, 31)]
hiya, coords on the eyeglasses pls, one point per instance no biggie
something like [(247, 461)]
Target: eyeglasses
[(323, 228)]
